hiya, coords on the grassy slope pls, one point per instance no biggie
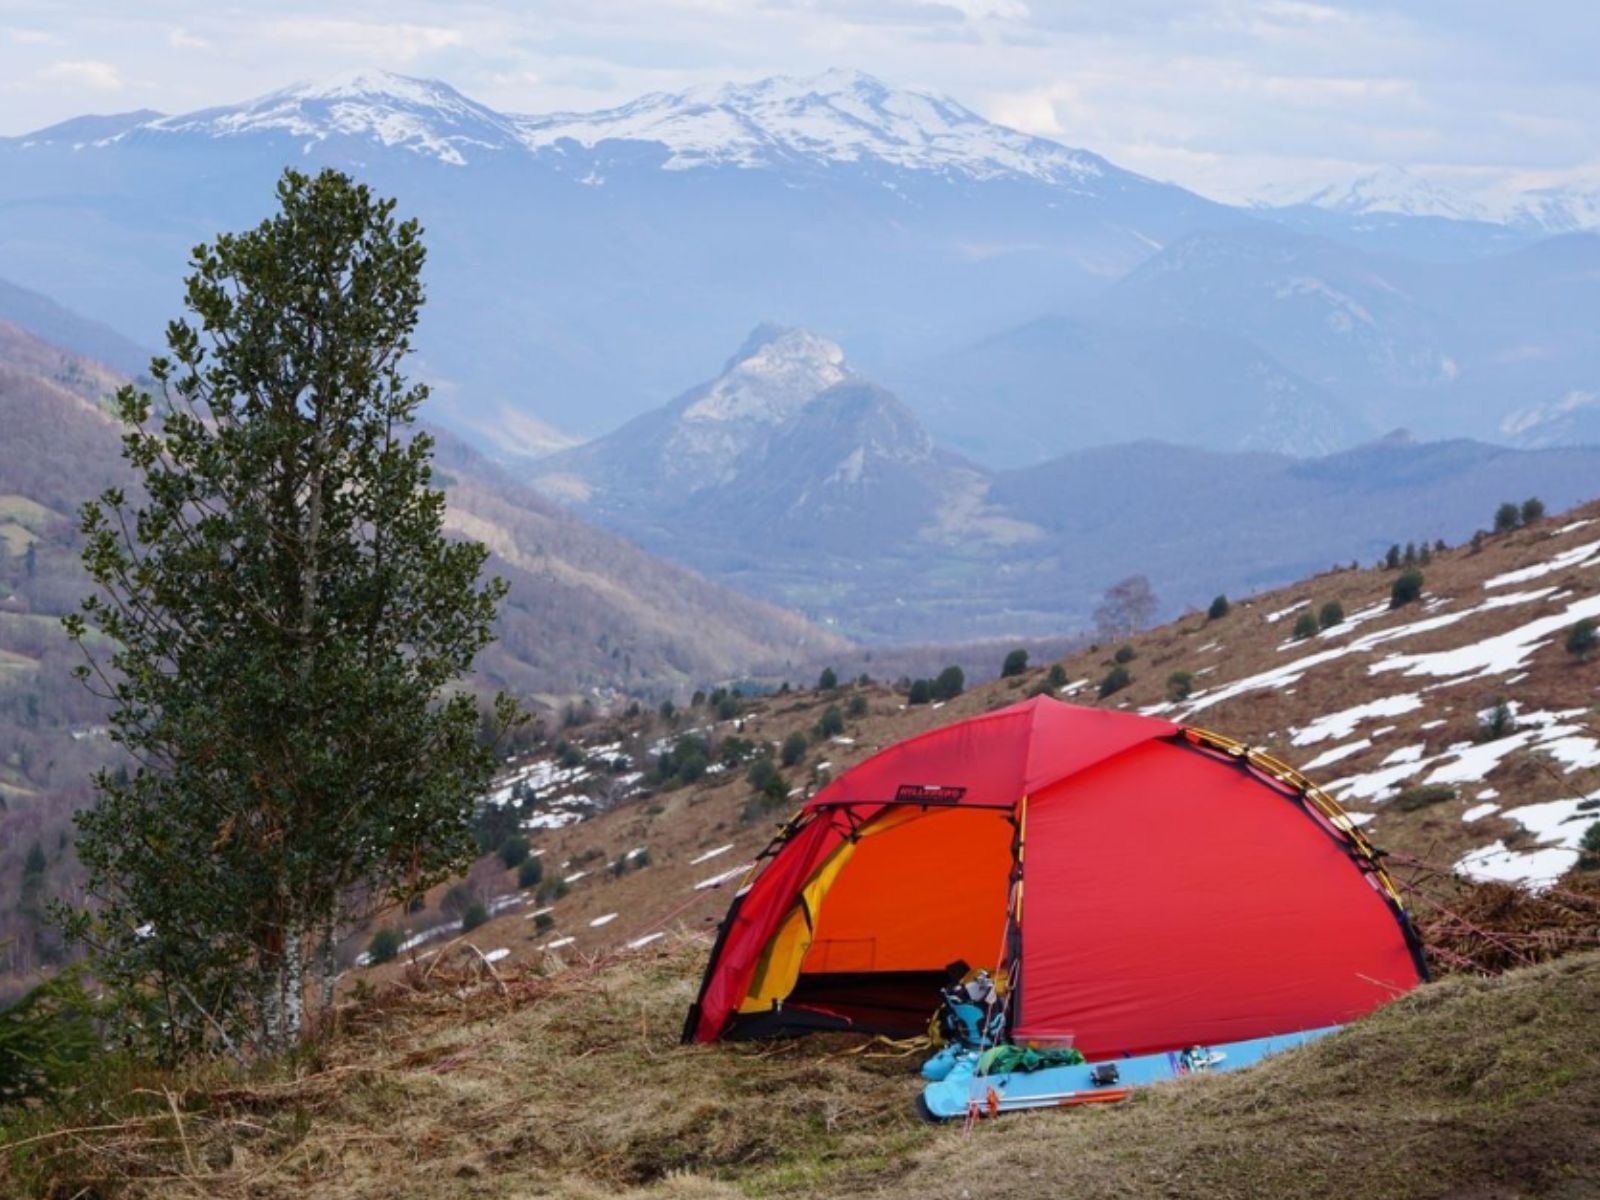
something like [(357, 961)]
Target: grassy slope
[(574, 1086)]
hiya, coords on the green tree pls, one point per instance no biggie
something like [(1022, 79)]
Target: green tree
[(1116, 679), (1532, 510), (530, 874), (1305, 626), (1218, 610), (34, 866), (514, 851), (761, 771), (921, 692), (794, 749), (1497, 721), (828, 680), (1332, 614), (288, 621), (1582, 639), (1507, 517), (384, 947), (1406, 588), (1015, 663), (1056, 677), (857, 706), (1392, 558), (831, 723), (1124, 654), (475, 915), (949, 683), (1179, 685)]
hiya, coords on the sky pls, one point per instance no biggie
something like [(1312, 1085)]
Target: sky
[(1234, 98)]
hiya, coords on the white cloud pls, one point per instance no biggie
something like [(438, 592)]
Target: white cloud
[(84, 73), (387, 43), (182, 39)]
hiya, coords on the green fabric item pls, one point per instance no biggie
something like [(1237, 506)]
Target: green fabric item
[(1002, 1060)]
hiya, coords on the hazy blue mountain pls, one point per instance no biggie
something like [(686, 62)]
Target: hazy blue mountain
[(584, 267), (793, 477), (1061, 383), (1470, 347), (92, 127), (62, 327), (788, 447)]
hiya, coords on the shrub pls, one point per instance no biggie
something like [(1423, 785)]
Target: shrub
[(1392, 559), (1332, 614), (1406, 589), (794, 748), (727, 707), (1507, 517), (1015, 663), (760, 772), (1589, 843), (1057, 678), (544, 922), (473, 917), (951, 682), (827, 681), (831, 724), (1582, 638), (1218, 610), (530, 874), (49, 1039), (921, 692), (1423, 796), (735, 749), (513, 851), (857, 706), (552, 890), (384, 946), (1305, 626), (1496, 722), (571, 756), (1532, 510), (1124, 654), (772, 795), (1116, 679), (1179, 685)]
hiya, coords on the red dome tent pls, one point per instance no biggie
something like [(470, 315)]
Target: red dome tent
[(1146, 887)]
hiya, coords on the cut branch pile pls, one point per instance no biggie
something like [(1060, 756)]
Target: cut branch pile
[(1487, 928)]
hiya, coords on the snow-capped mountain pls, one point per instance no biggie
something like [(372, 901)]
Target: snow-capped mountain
[(1396, 191), (584, 267), (424, 116), (836, 117), (786, 435)]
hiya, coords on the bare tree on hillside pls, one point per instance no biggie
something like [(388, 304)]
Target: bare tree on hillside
[(1128, 606)]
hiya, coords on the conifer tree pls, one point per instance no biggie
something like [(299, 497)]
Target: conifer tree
[(290, 626)]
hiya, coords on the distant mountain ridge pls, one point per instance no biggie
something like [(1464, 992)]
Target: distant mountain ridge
[(584, 267), (1397, 191), (792, 476)]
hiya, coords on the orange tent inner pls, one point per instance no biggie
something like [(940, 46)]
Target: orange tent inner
[(882, 918)]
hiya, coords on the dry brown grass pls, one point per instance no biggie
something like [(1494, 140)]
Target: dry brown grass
[(470, 1083), (1471, 1088), (573, 1084)]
